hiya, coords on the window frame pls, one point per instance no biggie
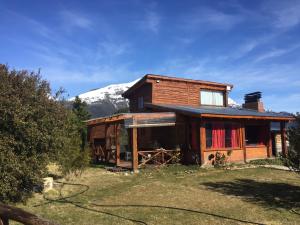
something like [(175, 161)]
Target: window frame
[(257, 144), (226, 148), (212, 91), (140, 102)]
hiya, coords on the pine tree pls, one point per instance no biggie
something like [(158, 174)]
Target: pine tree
[(293, 156), (82, 114)]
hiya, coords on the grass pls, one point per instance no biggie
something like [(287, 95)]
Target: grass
[(174, 195), (270, 161)]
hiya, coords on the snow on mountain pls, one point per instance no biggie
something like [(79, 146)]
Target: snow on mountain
[(232, 103), (112, 92)]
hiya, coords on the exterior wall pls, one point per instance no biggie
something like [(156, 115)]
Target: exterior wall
[(180, 93), (97, 131), (243, 152), (237, 155), (146, 92), (256, 152), (171, 92)]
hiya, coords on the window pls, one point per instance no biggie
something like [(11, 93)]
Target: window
[(212, 98), (222, 135), (208, 129), (256, 134), (141, 102), (228, 143)]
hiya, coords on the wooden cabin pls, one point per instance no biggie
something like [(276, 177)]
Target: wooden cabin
[(184, 120)]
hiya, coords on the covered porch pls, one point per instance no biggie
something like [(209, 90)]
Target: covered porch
[(134, 140)]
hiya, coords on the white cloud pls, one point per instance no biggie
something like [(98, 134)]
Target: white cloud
[(151, 21), (211, 19), (111, 49), (71, 19), (276, 53), (285, 14)]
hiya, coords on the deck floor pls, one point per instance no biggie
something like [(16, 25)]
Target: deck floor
[(125, 164)]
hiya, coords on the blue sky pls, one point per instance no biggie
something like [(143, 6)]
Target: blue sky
[(81, 45)]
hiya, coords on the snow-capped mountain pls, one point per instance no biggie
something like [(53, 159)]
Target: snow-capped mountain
[(112, 92), (108, 100)]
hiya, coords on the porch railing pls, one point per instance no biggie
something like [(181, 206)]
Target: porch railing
[(158, 157)]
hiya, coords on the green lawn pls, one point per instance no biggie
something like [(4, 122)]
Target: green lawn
[(175, 195)]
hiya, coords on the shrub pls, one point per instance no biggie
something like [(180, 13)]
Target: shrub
[(292, 159), (35, 129), (220, 159)]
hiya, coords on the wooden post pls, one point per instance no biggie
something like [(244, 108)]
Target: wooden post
[(117, 134), (243, 140), (269, 143), (283, 138), (202, 141), (106, 156), (135, 162), (19, 215)]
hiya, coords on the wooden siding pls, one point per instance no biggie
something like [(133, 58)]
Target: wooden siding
[(237, 155), (256, 152), (179, 93), (144, 91)]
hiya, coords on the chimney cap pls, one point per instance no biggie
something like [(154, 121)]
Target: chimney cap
[(253, 97)]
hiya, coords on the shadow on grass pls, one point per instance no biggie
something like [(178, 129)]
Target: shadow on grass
[(65, 200), (267, 194)]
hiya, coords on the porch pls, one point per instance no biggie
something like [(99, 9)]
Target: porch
[(134, 140)]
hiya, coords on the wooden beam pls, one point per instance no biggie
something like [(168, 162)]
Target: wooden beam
[(245, 117), (153, 125), (243, 140), (117, 138), (135, 162), (283, 138), (13, 213), (202, 140), (269, 141)]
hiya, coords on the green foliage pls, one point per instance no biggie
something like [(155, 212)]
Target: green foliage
[(73, 159), (293, 156), (220, 159), (82, 114), (35, 129), (275, 161)]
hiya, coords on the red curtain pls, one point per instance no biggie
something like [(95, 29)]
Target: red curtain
[(218, 135), (234, 136)]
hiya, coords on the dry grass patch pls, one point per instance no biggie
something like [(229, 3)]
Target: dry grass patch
[(175, 195)]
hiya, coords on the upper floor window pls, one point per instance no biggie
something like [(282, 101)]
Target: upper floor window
[(141, 102), (212, 98)]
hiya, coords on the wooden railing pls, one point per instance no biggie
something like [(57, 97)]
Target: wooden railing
[(159, 156), (8, 213)]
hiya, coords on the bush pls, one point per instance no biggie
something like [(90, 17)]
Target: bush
[(35, 129), (220, 159), (292, 159)]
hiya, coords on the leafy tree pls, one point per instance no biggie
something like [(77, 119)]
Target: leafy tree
[(82, 114), (293, 155), (35, 129)]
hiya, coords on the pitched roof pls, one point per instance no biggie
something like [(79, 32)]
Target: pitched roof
[(222, 112), (163, 77)]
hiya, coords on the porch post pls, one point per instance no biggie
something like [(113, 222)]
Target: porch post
[(106, 156), (134, 150), (283, 138), (243, 141), (269, 143), (202, 140), (117, 133)]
